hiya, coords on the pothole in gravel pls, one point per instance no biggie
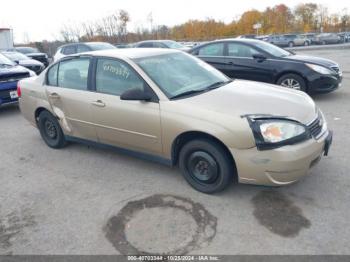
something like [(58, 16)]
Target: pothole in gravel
[(161, 224)]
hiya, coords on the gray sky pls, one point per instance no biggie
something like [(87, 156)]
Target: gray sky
[(43, 19)]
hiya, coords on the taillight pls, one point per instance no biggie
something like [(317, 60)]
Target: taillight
[(19, 92)]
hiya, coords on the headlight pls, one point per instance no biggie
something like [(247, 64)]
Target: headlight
[(320, 69), (278, 131), (273, 133)]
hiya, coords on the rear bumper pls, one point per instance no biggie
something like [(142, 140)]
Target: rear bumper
[(281, 166), (5, 89)]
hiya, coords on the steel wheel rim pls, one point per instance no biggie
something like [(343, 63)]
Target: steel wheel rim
[(203, 167), (291, 83), (50, 129)]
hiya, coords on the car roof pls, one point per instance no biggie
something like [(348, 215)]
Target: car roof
[(131, 53), (81, 43), (243, 40)]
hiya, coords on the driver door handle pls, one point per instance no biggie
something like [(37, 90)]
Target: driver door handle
[(98, 103), (54, 96), (230, 63)]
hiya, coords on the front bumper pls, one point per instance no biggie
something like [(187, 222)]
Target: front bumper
[(324, 83), (281, 166)]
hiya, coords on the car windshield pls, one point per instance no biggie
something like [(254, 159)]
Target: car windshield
[(27, 50), (180, 73), (100, 46), (15, 56), (173, 44), (271, 49), (4, 61)]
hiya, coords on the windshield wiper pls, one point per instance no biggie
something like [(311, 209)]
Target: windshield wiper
[(190, 92), (218, 84), (208, 88)]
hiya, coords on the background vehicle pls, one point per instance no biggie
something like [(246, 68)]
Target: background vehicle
[(309, 38), (76, 48), (170, 106), (122, 45), (260, 61), (10, 74), (33, 53), (6, 39), (25, 61), (161, 44), (327, 38), (289, 40), (252, 36)]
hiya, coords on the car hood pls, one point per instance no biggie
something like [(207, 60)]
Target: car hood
[(241, 97), (312, 59)]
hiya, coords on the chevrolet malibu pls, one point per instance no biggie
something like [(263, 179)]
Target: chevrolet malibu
[(169, 106)]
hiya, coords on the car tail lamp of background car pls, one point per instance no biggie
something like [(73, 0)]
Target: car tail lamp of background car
[(19, 92)]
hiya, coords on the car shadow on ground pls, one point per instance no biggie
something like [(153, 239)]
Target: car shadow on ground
[(9, 110)]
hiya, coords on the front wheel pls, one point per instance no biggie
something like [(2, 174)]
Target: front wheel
[(206, 166), (50, 130), (292, 81)]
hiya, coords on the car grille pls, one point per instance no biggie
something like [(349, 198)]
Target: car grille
[(315, 127), (336, 69)]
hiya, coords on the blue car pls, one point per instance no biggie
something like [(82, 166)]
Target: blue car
[(10, 74)]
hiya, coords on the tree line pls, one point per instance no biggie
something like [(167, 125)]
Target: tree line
[(305, 17)]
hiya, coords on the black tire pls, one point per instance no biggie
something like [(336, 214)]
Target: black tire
[(50, 130), (306, 43), (323, 42), (284, 78), (206, 166), (290, 44)]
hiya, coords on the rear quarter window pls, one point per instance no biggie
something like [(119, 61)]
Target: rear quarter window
[(52, 76)]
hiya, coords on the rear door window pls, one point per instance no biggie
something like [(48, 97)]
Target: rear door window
[(74, 73), (52, 76), (212, 50)]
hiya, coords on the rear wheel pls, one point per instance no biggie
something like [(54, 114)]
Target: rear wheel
[(290, 44), (292, 81), (306, 43), (206, 166), (50, 130), (323, 42)]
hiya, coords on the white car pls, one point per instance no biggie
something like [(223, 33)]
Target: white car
[(76, 48)]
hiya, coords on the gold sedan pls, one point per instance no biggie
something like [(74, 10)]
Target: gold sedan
[(169, 106)]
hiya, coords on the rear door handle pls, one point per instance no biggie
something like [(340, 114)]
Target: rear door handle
[(98, 103), (230, 63), (54, 96)]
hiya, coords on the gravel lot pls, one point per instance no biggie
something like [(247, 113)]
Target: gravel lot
[(83, 200)]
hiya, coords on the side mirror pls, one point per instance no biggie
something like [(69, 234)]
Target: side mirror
[(259, 57), (136, 94), (16, 61)]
